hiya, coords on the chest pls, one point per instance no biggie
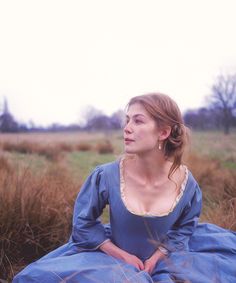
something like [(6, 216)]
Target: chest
[(154, 200)]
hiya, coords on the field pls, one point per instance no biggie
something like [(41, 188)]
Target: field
[(41, 174)]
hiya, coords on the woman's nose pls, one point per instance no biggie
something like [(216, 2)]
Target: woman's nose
[(127, 128)]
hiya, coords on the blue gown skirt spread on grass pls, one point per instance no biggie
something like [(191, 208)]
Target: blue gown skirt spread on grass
[(198, 253)]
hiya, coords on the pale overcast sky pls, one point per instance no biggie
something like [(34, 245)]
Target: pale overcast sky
[(56, 57)]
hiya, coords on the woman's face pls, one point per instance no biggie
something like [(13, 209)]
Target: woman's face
[(140, 131)]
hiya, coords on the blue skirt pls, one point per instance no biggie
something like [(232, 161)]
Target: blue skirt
[(211, 258)]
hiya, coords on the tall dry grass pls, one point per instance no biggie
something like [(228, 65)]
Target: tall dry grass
[(54, 152), (105, 147), (218, 186), (51, 152), (35, 213)]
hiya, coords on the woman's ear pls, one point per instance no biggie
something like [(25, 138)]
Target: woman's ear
[(164, 133)]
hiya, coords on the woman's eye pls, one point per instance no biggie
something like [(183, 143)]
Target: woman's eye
[(134, 121), (138, 121)]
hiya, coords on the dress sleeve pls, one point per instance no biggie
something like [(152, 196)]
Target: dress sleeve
[(177, 238), (88, 233)]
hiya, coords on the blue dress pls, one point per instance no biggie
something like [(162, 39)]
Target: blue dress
[(198, 253)]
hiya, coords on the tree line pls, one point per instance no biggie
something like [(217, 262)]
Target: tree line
[(219, 114), (94, 120)]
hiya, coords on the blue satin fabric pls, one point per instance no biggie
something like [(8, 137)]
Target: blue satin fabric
[(198, 253)]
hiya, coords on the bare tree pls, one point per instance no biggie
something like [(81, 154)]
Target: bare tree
[(89, 113), (7, 121), (223, 99)]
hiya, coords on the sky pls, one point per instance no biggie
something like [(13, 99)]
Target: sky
[(58, 57)]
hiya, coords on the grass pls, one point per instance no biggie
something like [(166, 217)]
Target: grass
[(229, 165), (37, 193), (35, 213), (34, 161), (218, 186), (81, 163), (215, 145)]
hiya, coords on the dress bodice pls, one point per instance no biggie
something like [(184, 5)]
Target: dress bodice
[(137, 234)]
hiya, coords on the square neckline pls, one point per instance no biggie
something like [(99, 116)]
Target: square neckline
[(149, 214)]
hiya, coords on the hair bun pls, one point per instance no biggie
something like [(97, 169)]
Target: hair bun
[(176, 131)]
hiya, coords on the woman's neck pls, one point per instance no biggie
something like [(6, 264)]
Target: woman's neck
[(151, 167)]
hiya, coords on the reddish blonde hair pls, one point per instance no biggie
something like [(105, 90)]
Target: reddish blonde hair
[(165, 111)]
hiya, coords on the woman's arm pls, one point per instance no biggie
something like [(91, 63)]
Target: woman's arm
[(88, 233), (178, 236)]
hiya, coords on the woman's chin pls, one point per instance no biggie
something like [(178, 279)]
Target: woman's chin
[(130, 150)]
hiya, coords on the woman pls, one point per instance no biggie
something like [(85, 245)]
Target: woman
[(154, 203)]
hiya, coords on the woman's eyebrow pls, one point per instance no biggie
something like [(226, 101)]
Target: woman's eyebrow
[(135, 115)]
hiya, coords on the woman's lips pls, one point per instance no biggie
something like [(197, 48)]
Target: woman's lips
[(128, 140)]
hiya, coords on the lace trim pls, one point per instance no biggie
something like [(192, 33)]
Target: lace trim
[(123, 197)]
